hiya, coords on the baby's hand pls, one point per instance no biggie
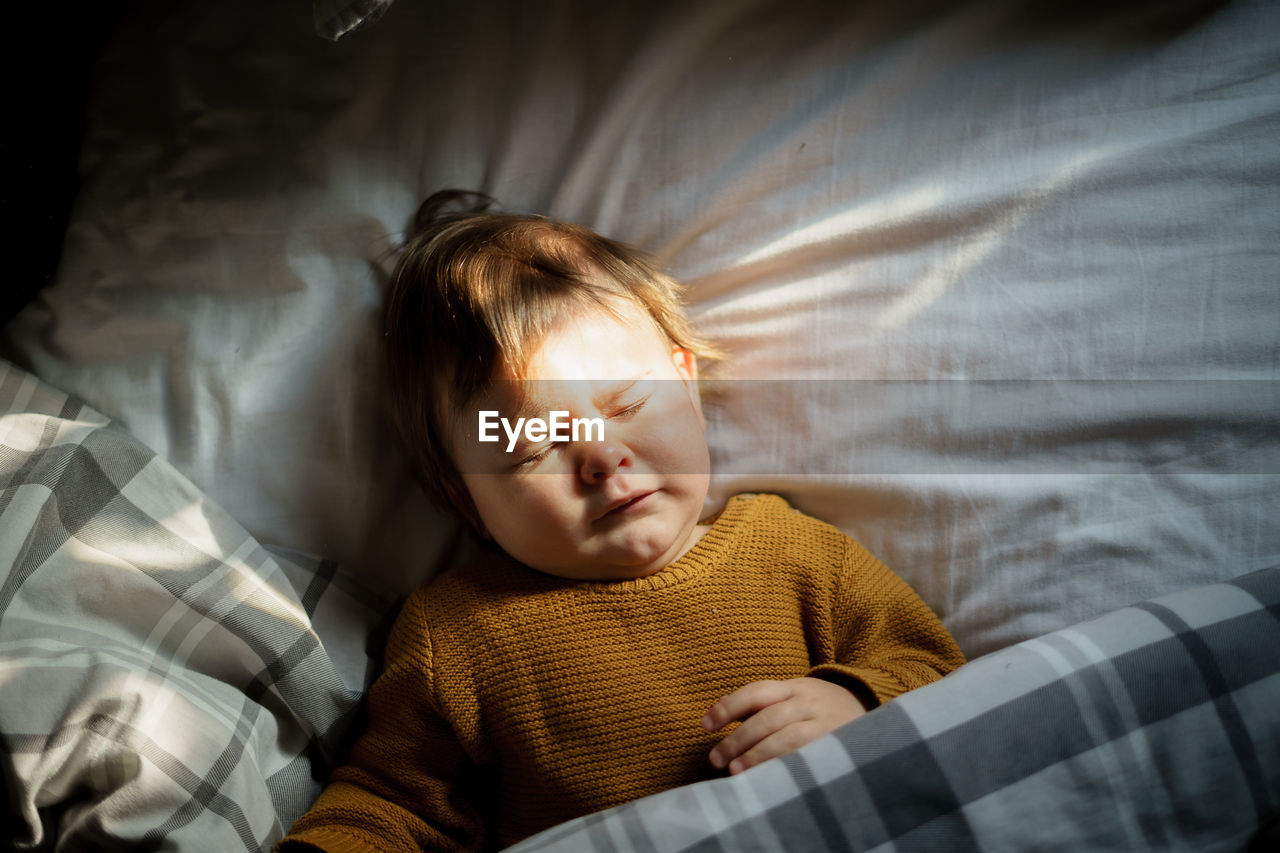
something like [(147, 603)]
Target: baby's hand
[(778, 716)]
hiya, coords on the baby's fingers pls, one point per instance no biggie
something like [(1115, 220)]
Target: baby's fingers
[(744, 702), (755, 730), (785, 740)]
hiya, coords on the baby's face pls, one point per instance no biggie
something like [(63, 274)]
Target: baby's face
[(622, 507)]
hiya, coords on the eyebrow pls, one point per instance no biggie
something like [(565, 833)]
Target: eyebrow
[(612, 394), (531, 407)]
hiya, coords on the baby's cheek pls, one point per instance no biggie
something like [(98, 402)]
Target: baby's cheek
[(681, 442), (544, 498), (520, 508)]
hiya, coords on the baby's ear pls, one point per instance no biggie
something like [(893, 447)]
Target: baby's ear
[(687, 366), (686, 363)]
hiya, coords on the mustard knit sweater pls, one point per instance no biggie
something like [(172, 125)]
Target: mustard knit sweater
[(512, 700)]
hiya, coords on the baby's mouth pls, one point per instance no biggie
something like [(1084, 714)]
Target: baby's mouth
[(623, 505)]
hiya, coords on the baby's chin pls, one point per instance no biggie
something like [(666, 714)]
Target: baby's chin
[(605, 568)]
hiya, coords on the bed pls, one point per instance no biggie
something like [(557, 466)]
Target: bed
[(1001, 288)]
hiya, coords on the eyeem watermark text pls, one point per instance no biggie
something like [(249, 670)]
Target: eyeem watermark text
[(557, 427)]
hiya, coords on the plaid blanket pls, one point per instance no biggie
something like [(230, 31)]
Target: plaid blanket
[(1156, 727), (168, 682)]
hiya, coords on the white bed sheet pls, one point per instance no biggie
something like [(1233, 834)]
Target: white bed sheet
[(855, 194)]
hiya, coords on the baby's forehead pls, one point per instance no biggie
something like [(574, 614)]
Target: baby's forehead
[(622, 342), (534, 397)]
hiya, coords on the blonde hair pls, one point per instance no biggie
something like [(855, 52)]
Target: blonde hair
[(475, 292)]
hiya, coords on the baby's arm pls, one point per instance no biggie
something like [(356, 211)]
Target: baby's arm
[(881, 641), (884, 640), (396, 793)]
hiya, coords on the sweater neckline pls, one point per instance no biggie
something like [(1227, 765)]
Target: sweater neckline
[(718, 541)]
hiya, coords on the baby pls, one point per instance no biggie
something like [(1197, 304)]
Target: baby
[(543, 381)]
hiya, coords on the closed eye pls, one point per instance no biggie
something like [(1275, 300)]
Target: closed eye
[(632, 410), (534, 459)]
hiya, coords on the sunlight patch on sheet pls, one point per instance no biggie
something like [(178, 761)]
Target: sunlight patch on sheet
[(929, 289), (861, 217), (943, 275)]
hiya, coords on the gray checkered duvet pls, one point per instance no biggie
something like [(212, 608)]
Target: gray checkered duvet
[(1155, 727), (165, 681)]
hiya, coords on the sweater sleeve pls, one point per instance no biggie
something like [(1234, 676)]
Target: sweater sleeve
[(400, 788), (884, 639)]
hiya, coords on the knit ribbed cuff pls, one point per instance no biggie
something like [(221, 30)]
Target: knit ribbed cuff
[(873, 687)]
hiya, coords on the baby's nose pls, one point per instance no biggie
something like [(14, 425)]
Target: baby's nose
[(601, 459)]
